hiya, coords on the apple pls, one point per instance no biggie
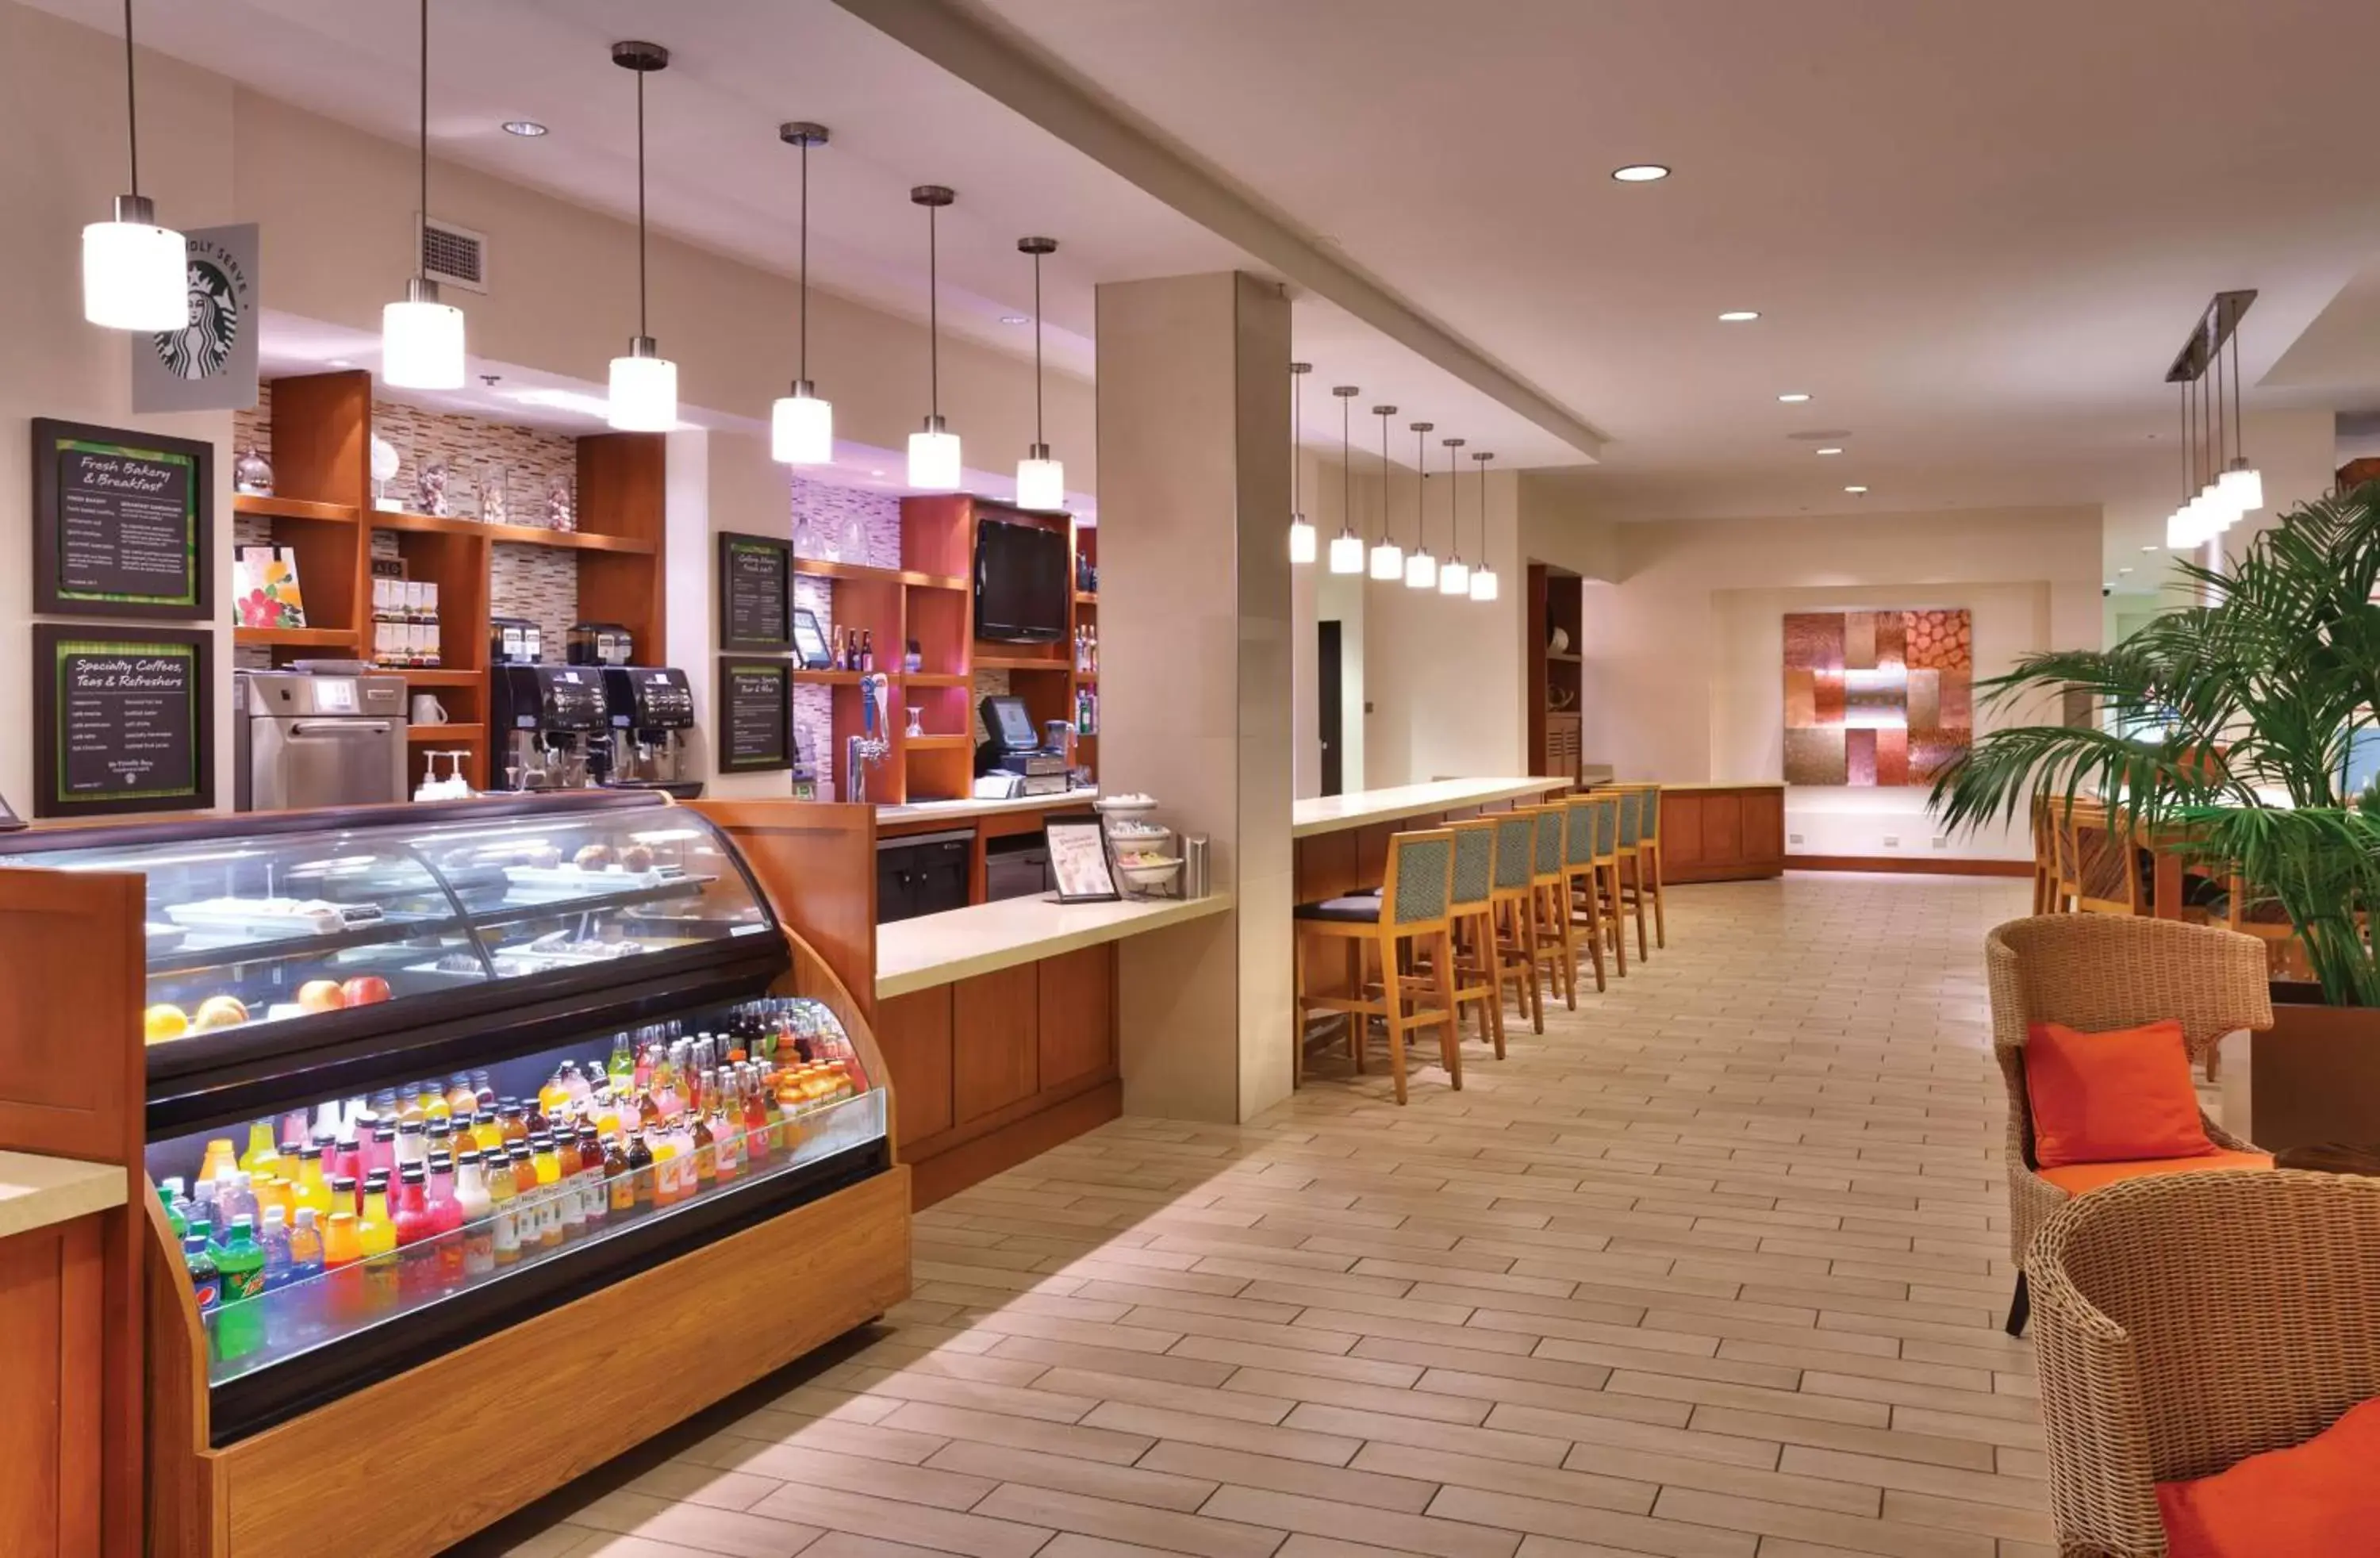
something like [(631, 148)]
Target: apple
[(220, 1011), (163, 1021), (365, 989), (321, 995)]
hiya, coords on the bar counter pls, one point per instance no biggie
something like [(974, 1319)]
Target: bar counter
[(1341, 842)]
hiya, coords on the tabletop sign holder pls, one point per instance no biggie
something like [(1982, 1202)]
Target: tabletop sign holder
[(1078, 858), (122, 720), (123, 523)]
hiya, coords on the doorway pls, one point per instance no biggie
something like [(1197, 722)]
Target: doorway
[(1326, 690)]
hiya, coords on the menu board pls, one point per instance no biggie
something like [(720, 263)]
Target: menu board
[(123, 523), (756, 716), (121, 721), (756, 593)]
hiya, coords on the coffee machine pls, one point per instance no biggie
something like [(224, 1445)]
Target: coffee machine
[(548, 718), (649, 709)]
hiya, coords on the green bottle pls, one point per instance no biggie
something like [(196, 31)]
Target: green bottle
[(170, 1194), (240, 1263)]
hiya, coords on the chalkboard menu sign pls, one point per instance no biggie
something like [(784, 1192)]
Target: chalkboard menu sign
[(756, 716), (123, 523), (756, 593), (120, 721)]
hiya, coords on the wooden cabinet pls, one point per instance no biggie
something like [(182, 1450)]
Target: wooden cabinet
[(52, 1286), (1556, 684), (1722, 832)]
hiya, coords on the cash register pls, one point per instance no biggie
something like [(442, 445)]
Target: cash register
[(1010, 762)]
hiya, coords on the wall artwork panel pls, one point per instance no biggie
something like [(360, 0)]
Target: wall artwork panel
[(1876, 699)]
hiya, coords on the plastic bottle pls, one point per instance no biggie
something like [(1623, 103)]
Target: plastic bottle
[(341, 1240), (198, 1255), (305, 1247), (219, 1161), (234, 1200), (311, 1189), (460, 1094), (240, 1261), (275, 1245), (261, 1149)]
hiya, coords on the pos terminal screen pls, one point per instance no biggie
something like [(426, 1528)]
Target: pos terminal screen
[(1010, 725)]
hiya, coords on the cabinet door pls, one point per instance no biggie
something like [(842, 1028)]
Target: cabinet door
[(995, 1041), (914, 1031), (1077, 1015), (50, 1288)]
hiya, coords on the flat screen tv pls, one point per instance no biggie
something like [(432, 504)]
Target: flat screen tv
[(1021, 583)]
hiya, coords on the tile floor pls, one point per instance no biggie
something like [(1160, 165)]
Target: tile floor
[(1714, 1269)]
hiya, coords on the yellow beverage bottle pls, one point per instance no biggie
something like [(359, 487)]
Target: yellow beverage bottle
[(486, 1131), (263, 1152), (311, 1188), (220, 1162)]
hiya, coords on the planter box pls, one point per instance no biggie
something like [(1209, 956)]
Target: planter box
[(2314, 1076)]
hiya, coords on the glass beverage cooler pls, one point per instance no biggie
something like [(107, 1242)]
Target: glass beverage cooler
[(421, 1077)]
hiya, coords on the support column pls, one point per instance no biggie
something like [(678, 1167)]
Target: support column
[(1194, 670)]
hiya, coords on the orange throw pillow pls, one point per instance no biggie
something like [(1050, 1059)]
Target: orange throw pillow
[(2102, 1098), (2318, 1497)]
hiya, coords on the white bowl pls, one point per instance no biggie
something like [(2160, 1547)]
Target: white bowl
[(1150, 873)]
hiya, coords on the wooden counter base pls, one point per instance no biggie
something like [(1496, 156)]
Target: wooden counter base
[(1715, 833)]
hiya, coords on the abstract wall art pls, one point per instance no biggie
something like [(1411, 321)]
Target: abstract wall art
[(1876, 698)]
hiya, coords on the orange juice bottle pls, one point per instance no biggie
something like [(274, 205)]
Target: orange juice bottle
[(342, 1244), (219, 1161)]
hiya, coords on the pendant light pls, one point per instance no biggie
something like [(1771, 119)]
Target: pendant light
[(1346, 547), (934, 452), (1421, 568), (2220, 515), (135, 274), (2180, 523), (801, 426), (1387, 557), (1041, 481), (644, 382), (1454, 579), (2242, 482), (1301, 532), (1482, 577), (421, 338)]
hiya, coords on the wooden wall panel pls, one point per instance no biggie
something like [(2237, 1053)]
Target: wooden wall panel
[(1763, 827), (51, 1299), (1722, 828), (1722, 834), (817, 862), (995, 1041), (914, 1031), (1078, 1017)]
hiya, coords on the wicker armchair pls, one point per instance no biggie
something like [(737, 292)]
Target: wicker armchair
[(2189, 1321), (2096, 972)]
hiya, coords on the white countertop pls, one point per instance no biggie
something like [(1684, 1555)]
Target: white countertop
[(36, 1191), (956, 811), (1330, 815), (938, 949)]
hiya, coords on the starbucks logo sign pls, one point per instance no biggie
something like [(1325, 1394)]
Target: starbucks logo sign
[(203, 348)]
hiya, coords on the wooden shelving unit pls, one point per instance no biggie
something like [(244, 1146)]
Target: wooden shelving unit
[(321, 443), (1557, 601)]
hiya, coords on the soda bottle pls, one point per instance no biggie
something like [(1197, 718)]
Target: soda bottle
[(376, 1239), (622, 1068), (275, 1245), (479, 1085), (218, 1162), (619, 1189), (474, 1205), (305, 1247), (703, 1148), (169, 1196), (590, 1175), (415, 1230), (240, 1263), (234, 1200), (556, 1092), (311, 1189), (197, 1256), (341, 1240), (640, 1171), (261, 1149), (380, 1156), (486, 1131), (460, 1094)]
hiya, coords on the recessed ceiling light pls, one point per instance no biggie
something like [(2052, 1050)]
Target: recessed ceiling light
[(1855, 488), (1016, 319), (1640, 173), (1794, 397), (2151, 547), (526, 128), (1739, 316), (1831, 449), (2123, 570), (875, 473)]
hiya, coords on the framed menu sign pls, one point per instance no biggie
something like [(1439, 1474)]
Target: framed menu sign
[(123, 523), (756, 593), (756, 716), (120, 721)]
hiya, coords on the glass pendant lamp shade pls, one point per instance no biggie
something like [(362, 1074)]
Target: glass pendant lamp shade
[(1041, 481), (1346, 555), (643, 389), (1454, 574), (1421, 568), (1387, 557), (1483, 583), (422, 340), (135, 274), (1454, 577), (934, 464), (2243, 486), (1346, 547), (1388, 562), (1301, 538), (801, 428), (1482, 577), (1421, 571)]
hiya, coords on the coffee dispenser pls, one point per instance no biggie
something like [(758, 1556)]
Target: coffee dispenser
[(547, 718), (651, 711)]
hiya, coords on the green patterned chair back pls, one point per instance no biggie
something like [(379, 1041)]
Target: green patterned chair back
[(1420, 867), (1549, 842), (1475, 863), (1630, 813), (1516, 845), (1650, 822), (1607, 825), (1578, 832)]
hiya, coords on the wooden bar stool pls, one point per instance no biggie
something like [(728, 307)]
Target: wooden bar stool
[(1409, 919), (1590, 824), (1511, 900), (1649, 860), (1553, 955), (1631, 876), (1471, 908)]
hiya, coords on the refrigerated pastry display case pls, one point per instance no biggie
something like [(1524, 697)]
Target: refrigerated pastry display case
[(357, 989)]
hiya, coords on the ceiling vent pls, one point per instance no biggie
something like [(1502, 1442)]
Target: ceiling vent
[(454, 256)]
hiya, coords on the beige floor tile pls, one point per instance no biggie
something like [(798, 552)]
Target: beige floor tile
[(1337, 1484), (917, 1524), (1036, 1469), (740, 1534), (1436, 1404), (1322, 1517), (694, 1482), (1081, 1439), (1201, 1535), (1293, 1443), (1223, 1350)]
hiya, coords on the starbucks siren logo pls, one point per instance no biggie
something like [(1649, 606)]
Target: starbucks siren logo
[(201, 347)]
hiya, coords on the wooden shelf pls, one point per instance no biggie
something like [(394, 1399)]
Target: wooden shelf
[(859, 573), (1021, 663), (932, 678), (1560, 659), (293, 509), (293, 638), (515, 535), (831, 679), (1086, 597), (453, 733), (935, 743), (422, 677)]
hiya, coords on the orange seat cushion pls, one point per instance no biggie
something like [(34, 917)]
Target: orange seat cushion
[(2075, 1178), (2318, 1497), (2102, 1098)]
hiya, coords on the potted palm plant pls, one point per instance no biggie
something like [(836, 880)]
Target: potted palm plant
[(2226, 735)]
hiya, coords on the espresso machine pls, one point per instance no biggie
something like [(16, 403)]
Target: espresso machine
[(649, 709), (548, 719)]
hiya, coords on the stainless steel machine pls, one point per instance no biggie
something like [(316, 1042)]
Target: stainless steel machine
[(651, 708), (325, 736), (546, 719)]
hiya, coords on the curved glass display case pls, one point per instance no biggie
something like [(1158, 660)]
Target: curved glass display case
[(417, 1073)]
